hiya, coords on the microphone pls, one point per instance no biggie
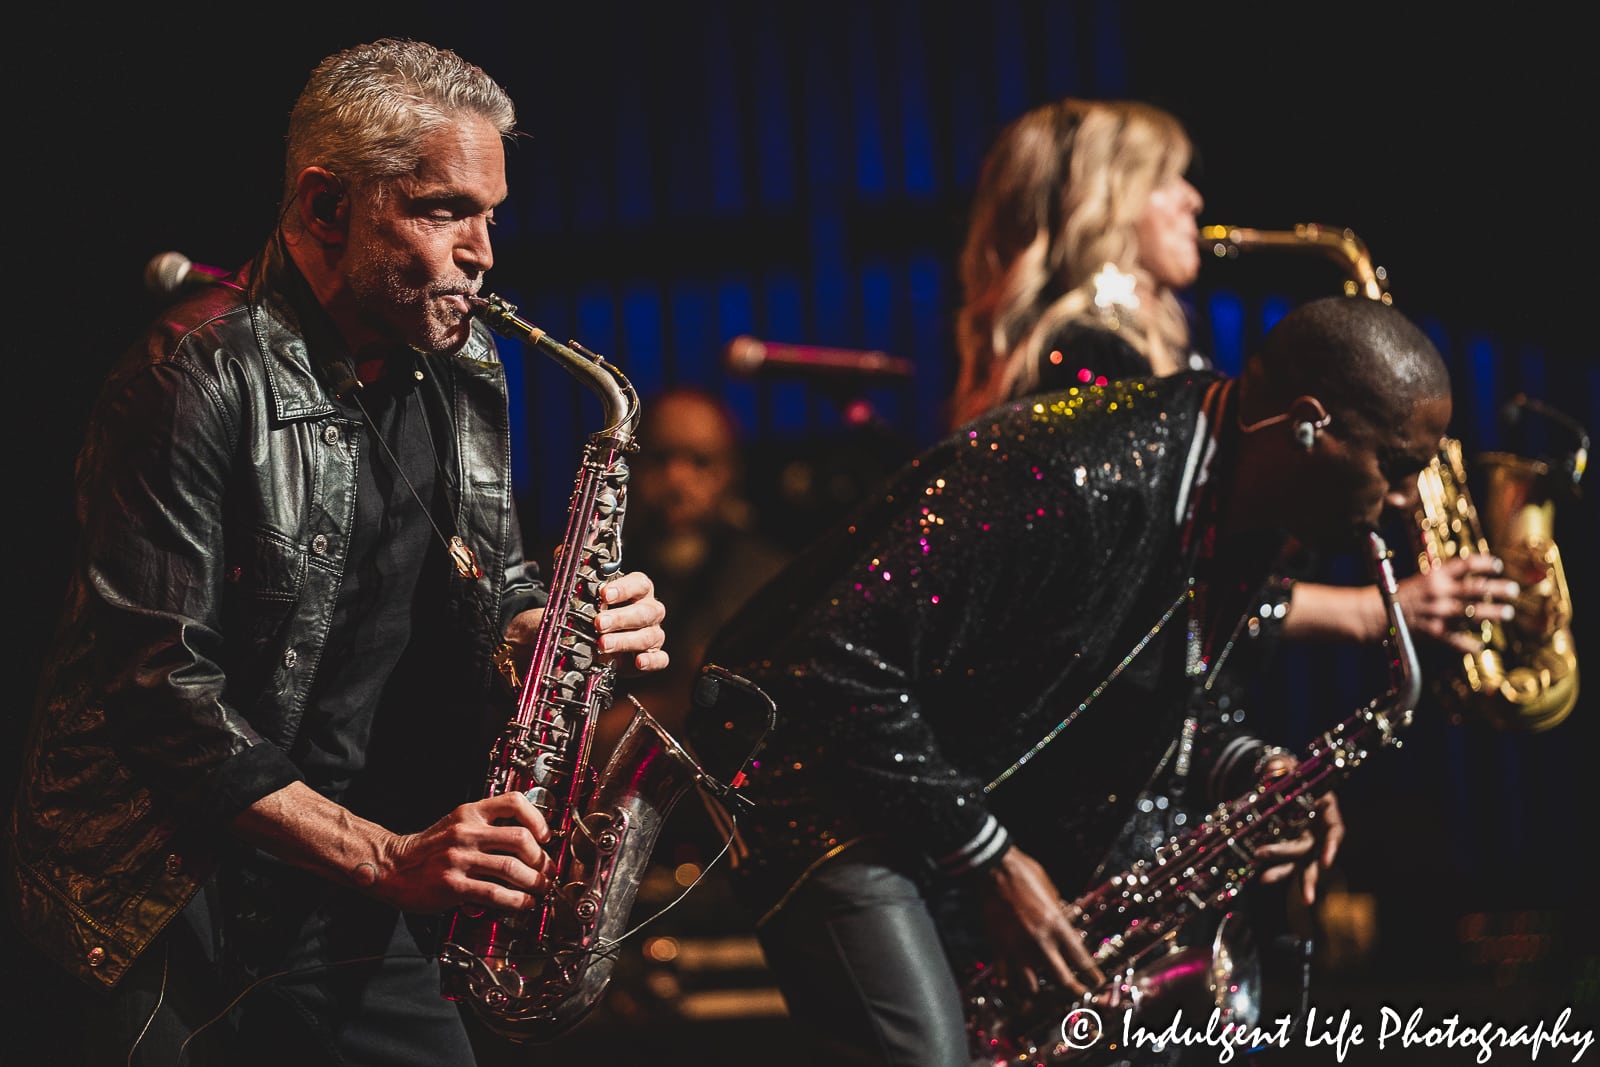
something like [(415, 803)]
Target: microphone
[(745, 356), (170, 273)]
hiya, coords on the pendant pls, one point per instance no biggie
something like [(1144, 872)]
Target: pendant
[(466, 563)]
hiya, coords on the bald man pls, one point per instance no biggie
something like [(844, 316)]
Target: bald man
[(1010, 655)]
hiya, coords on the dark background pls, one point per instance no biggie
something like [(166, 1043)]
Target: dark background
[(802, 172)]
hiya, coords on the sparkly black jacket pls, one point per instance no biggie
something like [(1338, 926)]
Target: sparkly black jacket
[(920, 650), (215, 492)]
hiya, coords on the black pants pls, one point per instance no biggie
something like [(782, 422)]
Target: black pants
[(862, 968), (271, 966)]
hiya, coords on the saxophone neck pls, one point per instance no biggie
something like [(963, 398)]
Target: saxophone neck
[(605, 379), (1364, 278), (1404, 670)]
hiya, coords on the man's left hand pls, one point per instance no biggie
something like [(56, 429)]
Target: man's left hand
[(1306, 857), (630, 622)]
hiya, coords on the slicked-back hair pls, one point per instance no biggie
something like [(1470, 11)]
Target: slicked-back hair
[(364, 112)]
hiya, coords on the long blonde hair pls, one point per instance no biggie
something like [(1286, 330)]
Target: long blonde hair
[(1060, 195)]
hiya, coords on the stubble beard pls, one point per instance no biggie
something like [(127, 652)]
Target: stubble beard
[(396, 307)]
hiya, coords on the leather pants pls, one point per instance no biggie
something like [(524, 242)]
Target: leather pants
[(862, 967)]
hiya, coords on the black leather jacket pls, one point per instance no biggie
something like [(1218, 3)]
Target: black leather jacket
[(215, 490)]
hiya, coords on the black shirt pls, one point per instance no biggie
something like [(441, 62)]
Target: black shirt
[(364, 741)]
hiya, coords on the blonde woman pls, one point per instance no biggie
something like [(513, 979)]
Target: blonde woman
[(1083, 232)]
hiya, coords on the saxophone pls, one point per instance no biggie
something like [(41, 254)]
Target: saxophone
[(1526, 677), (1341, 244), (1131, 921), (534, 975)]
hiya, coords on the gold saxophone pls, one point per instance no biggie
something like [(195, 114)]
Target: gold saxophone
[(533, 975), (1526, 676), (1131, 922), (1339, 243)]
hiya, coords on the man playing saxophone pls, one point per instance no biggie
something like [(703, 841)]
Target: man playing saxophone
[(255, 763), (982, 669)]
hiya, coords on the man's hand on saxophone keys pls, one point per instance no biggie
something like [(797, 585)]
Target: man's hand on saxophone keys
[(488, 853), (630, 622), (1306, 856), (1033, 930), (1448, 602)]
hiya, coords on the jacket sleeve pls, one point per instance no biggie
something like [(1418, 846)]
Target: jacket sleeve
[(522, 586), (152, 485)]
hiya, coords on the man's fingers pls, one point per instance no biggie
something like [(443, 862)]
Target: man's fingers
[(510, 872), (1499, 589), (644, 638), (1308, 884), (651, 660), (1278, 873), (625, 586), (1059, 968), (1474, 611), (517, 808), (1461, 642), (488, 889), (1475, 563), (1066, 960), (634, 615), (1330, 850), (1293, 849)]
